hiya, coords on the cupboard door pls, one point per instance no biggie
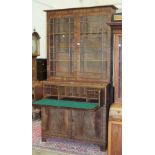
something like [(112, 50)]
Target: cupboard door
[(56, 122), (115, 138), (87, 125)]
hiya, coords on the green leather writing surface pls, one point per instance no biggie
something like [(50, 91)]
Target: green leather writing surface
[(67, 104)]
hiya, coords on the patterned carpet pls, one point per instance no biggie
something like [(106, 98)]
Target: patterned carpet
[(62, 146)]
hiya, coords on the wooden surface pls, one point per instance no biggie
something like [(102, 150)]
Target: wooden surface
[(117, 67), (115, 114), (76, 83), (55, 122), (88, 126), (77, 8), (88, 92), (115, 138), (34, 69), (116, 27), (115, 130), (37, 90)]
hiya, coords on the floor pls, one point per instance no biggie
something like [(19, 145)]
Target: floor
[(57, 146), (46, 152)]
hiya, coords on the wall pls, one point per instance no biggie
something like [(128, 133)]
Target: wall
[(81, 3), (39, 16), (39, 24)]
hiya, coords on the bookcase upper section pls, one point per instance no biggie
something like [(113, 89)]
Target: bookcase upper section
[(79, 44)]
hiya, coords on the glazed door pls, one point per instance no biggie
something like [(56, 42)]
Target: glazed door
[(118, 67), (87, 125), (61, 47), (79, 47), (94, 60)]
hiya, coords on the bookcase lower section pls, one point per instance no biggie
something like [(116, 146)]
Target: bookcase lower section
[(76, 124)]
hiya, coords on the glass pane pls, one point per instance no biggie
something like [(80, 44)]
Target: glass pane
[(71, 28), (92, 24), (61, 28), (61, 56), (99, 19), (61, 66), (91, 28), (61, 41), (91, 66), (91, 54), (63, 25), (91, 40)]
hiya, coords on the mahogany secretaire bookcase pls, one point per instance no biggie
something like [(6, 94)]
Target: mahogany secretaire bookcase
[(79, 68)]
